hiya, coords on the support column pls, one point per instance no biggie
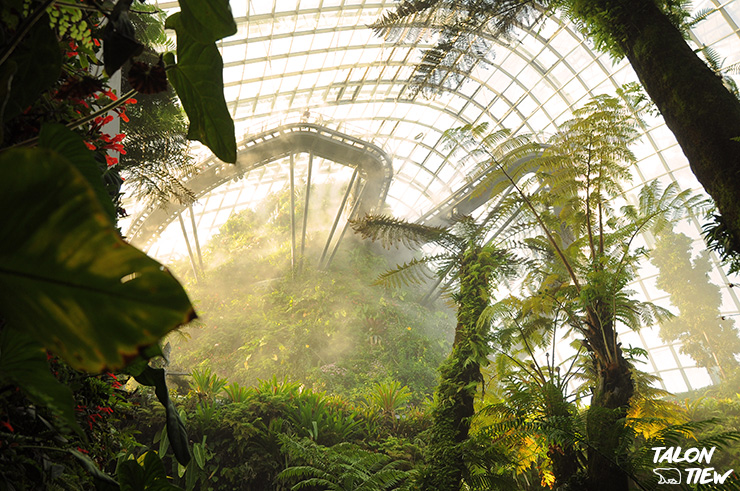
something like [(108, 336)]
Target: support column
[(190, 250), (305, 209), (358, 199), (195, 237), (292, 212), (339, 215)]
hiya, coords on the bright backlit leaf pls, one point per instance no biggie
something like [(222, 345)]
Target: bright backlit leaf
[(66, 276)]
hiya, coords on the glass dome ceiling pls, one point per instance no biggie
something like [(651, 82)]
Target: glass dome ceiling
[(318, 62)]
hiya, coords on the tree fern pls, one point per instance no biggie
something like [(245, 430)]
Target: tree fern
[(459, 28), (583, 256), (392, 231), (472, 267)]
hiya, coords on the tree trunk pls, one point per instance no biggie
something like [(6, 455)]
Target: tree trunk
[(455, 396), (702, 114), (609, 404), (563, 456)]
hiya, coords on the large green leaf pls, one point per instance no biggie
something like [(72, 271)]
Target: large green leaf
[(207, 20), (102, 480), (68, 143), (176, 433), (150, 476), (198, 80), (66, 276), (23, 363)]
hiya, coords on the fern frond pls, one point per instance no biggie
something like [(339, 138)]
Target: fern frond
[(406, 12), (392, 231), (415, 271)]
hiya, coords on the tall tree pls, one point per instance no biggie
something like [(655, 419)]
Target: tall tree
[(475, 267), (583, 256), (707, 337), (697, 107)]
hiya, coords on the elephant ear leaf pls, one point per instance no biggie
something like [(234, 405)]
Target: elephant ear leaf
[(66, 276), (208, 21), (198, 79)]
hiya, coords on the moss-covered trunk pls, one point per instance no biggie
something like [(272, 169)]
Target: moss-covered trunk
[(612, 393), (702, 114), (563, 456), (460, 375)]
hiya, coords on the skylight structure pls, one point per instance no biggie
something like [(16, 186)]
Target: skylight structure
[(317, 64)]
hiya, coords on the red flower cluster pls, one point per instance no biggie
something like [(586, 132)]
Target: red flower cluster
[(106, 142), (94, 414), (73, 50), (115, 384)]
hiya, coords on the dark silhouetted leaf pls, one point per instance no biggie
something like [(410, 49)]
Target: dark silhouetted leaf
[(119, 38), (92, 469), (198, 80), (208, 21), (178, 437), (149, 477), (39, 62), (23, 363)]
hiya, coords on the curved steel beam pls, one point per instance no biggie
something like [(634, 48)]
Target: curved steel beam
[(372, 162)]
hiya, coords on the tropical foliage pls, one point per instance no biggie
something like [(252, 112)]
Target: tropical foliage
[(473, 268), (652, 35), (330, 329), (281, 434), (72, 287), (82, 312), (581, 252), (343, 467)]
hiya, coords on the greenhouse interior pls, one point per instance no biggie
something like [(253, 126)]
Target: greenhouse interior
[(370, 245)]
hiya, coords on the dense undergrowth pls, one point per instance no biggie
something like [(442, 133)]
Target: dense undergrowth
[(250, 441), (331, 329)]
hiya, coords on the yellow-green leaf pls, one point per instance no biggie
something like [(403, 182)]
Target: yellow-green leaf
[(66, 276)]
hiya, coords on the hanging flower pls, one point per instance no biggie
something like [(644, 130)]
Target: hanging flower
[(78, 88), (146, 78)]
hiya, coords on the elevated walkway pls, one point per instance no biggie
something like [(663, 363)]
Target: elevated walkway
[(372, 164), (472, 195)]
